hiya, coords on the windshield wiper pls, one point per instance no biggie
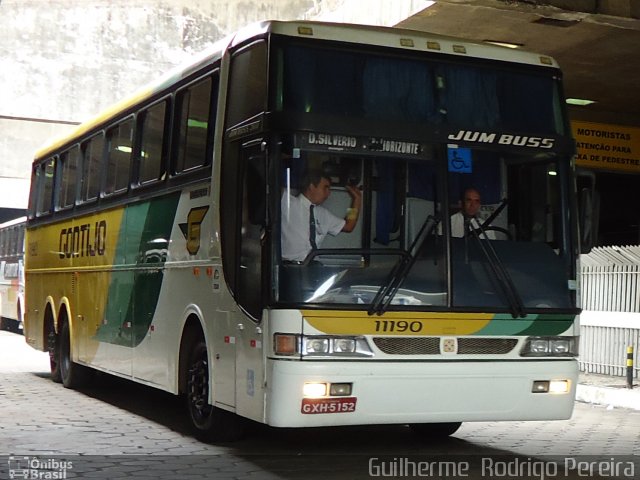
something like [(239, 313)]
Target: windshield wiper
[(497, 267), (387, 292)]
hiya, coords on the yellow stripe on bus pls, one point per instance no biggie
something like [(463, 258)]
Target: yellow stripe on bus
[(396, 323), (87, 241)]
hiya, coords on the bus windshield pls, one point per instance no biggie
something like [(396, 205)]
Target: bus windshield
[(412, 133), (406, 245)]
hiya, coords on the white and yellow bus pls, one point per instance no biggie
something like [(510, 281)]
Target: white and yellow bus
[(154, 246), (12, 274)]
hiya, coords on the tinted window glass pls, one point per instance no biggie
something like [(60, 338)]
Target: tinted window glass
[(334, 82), (69, 160), (45, 187), (91, 167), (152, 143), (248, 84), (195, 118), (33, 191), (120, 140)]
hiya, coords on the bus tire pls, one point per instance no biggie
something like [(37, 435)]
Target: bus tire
[(73, 375), (434, 431), (53, 347), (209, 423)]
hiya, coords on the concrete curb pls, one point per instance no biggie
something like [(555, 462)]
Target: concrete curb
[(614, 397)]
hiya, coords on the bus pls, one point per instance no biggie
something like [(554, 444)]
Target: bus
[(12, 274), (154, 248)]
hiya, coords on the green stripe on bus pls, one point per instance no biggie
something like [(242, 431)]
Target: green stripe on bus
[(133, 293), (546, 324)]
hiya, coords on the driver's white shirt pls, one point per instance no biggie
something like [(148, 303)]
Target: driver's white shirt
[(457, 226), (295, 226)]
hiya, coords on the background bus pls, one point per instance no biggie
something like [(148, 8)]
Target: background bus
[(12, 274), (154, 247)]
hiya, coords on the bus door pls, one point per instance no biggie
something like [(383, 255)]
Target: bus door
[(244, 223)]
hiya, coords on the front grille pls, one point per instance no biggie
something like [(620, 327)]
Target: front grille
[(431, 345), (486, 346), (408, 345)]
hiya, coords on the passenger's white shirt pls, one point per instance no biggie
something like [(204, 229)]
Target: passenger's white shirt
[(457, 226), (295, 226)]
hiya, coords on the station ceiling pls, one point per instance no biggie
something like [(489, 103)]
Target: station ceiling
[(598, 48)]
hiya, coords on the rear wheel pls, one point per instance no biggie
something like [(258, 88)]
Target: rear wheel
[(209, 423), (73, 375), (434, 431), (53, 347)]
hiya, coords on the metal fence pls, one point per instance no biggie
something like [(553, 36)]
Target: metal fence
[(610, 322), (604, 338), (610, 279)]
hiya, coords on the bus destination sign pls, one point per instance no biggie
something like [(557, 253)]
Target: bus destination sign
[(350, 143)]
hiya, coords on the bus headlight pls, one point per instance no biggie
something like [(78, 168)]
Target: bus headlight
[(314, 345), (550, 347), (320, 345)]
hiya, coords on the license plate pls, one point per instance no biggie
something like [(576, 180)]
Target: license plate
[(329, 405)]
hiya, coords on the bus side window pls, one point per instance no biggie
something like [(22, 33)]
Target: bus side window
[(153, 144), (120, 145), (247, 84), (45, 187), (92, 156), (3, 243), (69, 170), (195, 107), (33, 191), (13, 241)]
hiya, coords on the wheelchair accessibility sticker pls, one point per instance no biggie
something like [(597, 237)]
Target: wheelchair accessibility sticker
[(459, 159)]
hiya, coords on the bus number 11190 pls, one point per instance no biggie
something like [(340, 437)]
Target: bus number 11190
[(398, 326)]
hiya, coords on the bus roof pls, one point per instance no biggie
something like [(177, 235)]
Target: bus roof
[(411, 40)]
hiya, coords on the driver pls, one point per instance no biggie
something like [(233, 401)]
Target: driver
[(303, 227), (470, 203)]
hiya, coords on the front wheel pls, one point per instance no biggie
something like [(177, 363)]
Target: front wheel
[(209, 423), (434, 431)]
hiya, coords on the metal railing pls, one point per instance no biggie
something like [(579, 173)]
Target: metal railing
[(604, 339), (610, 279), (610, 322)]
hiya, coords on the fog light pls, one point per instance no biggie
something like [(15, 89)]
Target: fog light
[(314, 390), (558, 386), (540, 386), (340, 389)]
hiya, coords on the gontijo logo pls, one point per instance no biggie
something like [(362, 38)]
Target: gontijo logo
[(86, 240)]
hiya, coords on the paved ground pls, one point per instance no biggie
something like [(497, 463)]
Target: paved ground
[(117, 429)]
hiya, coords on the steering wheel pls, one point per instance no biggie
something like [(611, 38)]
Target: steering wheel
[(486, 225), (488, 228)]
